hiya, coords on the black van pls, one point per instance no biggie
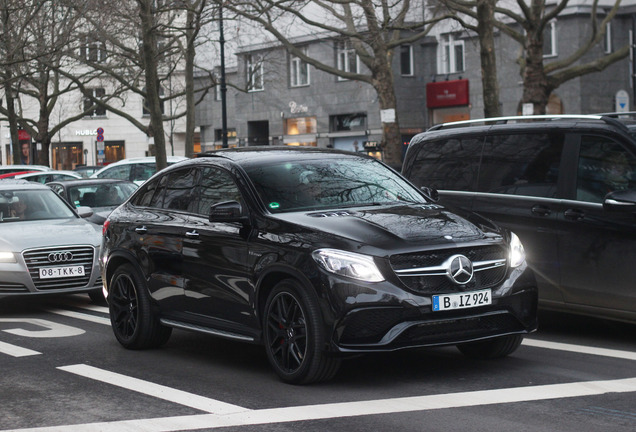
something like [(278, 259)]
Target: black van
[(564, 184)]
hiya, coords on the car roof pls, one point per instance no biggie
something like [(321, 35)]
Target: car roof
[(145, 159), (90, 181), (24, 168), (266, 154), (13, 185), (37, 173)]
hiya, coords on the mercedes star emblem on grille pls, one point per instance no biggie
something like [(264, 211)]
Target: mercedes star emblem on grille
[(60, 257), (460, 269)]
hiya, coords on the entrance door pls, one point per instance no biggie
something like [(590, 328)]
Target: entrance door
[(257, 133), (67, 155)]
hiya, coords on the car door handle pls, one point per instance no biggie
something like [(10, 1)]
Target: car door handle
[(574, 214), (192, 234), (541, 210), (141, 230)]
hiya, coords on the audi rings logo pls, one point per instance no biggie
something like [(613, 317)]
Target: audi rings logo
[(57, 257), (460, 269)]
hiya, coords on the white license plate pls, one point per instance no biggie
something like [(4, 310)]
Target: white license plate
[(59, 272), (462, 300)]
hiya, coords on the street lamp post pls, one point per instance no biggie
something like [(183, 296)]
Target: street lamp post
[(223, 86)]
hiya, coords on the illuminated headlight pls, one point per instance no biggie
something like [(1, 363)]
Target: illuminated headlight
[(348, 264), (7, 257), (517, 253)]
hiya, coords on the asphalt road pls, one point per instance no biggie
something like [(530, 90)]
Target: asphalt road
[(62, 370)]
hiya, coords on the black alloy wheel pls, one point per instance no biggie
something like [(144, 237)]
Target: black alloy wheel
[(131, 316), (294, 336)]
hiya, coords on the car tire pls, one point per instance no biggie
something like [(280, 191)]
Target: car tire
[(97, 296), (491, 348), (133, 321), (294, 336)]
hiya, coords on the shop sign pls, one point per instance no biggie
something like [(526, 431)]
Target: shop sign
[(86, 132), (296, 108), (447, 93), (23, 135)]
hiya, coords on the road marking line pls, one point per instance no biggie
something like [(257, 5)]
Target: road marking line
[(16, 351), (627, 355), (354, 409), (82, 316), (155, 390)]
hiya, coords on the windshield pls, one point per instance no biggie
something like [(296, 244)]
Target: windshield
[(105, 195), (30, 205), (329, 183)]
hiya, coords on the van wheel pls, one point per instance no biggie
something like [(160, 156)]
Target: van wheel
[(491, 348), (294, 336), (134, 323)]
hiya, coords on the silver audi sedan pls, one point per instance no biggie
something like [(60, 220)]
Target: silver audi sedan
[(46, 247)]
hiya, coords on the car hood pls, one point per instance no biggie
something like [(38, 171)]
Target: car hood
[(18, 236), (390, 227)]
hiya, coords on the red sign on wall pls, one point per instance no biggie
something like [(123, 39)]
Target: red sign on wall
[(447, 93), (23, 135)]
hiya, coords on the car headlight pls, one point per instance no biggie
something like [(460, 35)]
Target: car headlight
[(517, 253), (7, 257), (356, 266)]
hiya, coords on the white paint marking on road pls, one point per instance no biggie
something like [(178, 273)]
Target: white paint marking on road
[(16, 351), (52, 329), (94, 308), (627, 355), (78, 315), (152, 389), (353, 409)]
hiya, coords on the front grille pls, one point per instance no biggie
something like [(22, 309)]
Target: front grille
[(8, 287), (38, 258), (437, 281)]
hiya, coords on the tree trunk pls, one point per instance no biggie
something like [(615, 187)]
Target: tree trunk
[(490, 84), (149, 48), (391, 137)]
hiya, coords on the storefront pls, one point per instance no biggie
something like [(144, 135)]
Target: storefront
[(448, 101), (300, 131)]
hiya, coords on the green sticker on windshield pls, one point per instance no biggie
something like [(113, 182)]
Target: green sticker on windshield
[(274, 205)]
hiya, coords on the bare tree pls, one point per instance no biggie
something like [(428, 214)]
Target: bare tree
[(526, 25), (373, 29)]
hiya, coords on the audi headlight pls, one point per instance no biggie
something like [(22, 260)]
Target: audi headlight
[(349, 264), (7, 257), (517, 253)]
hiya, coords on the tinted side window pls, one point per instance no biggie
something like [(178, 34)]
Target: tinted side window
[(523, 164), (216, 186), (117, 172), (450, 164), (604, 166), (146, 192), (179, 189)]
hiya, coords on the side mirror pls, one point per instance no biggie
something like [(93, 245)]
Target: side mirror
[(227, 211), (620, 201), (84, 212), (431, 193)]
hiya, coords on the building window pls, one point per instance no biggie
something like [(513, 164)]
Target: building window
[(92, 50), (347, 58), (607, 40), (254, 73), (98, 111), (406, 60), (451, 54), (550, 40), (298, 71), (348, 122), (161, 103), (218, 134)]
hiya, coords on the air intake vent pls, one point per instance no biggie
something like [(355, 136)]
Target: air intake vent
[(332, 214)]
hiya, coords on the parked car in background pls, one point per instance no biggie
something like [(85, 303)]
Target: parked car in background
[(45, 246), (11, 175), (87, 170), (314, 254), (564, 184), (137, 170), (48, 176), (5, 169), (101, 195)]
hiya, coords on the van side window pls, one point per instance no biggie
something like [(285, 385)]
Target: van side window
[(447, 164), (523, 164), (604, 167)]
